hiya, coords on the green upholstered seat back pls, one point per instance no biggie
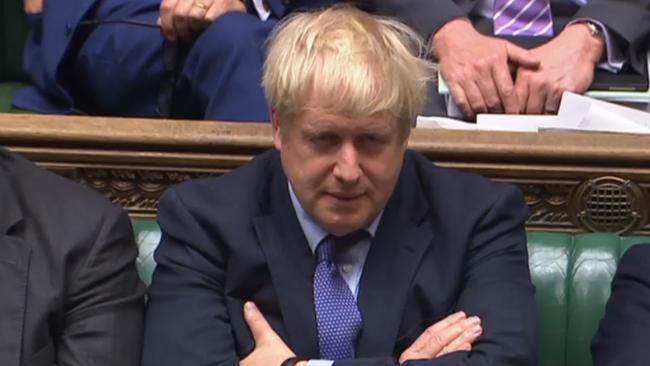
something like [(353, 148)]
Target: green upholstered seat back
[(572, 275), (13, 31), (147, 235)]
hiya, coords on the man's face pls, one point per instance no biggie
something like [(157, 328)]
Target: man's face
[(343, 170)]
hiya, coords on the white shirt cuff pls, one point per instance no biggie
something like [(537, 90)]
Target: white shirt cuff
[(262, 11), (320, 363)]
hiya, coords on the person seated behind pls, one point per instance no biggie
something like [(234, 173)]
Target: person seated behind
[(622, 337), (71, 293), (476, 62), (108, 57), (340, 244)]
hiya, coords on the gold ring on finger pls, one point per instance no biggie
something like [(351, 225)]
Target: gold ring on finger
[(200, 5)]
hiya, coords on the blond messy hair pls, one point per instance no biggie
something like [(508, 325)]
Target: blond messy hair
[(348, 62)]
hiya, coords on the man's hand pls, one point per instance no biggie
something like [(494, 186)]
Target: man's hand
[(567, 64), (185, 19), (33, 6), (454, 333), (477, 68), (269, 347)]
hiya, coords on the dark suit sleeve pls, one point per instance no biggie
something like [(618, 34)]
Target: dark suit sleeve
[(104, 300), (187, 319), (622, 339), (497, 288), (629, 19), (424, 16)]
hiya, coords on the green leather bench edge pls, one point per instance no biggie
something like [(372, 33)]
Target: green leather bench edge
[(570, 310), (7, 91)]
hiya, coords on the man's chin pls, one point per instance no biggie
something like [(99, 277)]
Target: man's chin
[(342, 225)]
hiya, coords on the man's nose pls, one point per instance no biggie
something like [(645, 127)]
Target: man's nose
[(347, 167)]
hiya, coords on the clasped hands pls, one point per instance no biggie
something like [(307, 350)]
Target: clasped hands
[(456, 332), (491, 75), (185, 19)]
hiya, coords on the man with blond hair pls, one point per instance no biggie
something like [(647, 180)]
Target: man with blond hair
[(340, 246)]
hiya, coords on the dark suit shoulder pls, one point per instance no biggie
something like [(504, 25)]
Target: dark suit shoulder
[(455, 187), (634, 263), (41, 193), (236, 194)]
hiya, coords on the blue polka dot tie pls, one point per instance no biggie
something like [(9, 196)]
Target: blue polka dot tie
[(338, 317)]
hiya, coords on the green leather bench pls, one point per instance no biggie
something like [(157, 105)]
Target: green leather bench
[(572, 274), (13, 31)]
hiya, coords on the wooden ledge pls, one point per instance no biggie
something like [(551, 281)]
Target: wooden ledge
[(133, 160), (206, 136)]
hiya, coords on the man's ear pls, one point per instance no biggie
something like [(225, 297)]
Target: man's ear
[(277, 133)]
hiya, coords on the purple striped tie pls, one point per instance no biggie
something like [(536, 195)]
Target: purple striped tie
[(523, 18), (337, 315)]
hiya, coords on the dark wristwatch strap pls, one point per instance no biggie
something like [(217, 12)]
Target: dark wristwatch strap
[(292, 361)]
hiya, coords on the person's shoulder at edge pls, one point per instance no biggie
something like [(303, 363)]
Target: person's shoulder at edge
[(239, 189), (637, 256), (53, 195)]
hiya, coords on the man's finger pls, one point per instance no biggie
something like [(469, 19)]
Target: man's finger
[(423, 339), (166, 19), (459, 97), (506, 89), (468, 337), (475, 98), (257, 323), (443, 338), (489, 91), (464, 347), (219, 8), (196, 16), (521, 56), (181, 18), (522, 91), (536, 101), (552, 102)]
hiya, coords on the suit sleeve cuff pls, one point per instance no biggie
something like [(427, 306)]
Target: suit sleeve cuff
[(261, 10)]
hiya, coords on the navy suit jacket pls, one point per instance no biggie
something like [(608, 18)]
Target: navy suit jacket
[(622, 339), (447, 241), (56, 33)]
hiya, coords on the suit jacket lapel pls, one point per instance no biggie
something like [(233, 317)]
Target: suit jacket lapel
[(394, 256), (14, 266), (291, 264)]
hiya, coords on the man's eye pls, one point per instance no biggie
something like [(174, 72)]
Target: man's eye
[(324, 138), (371, 139)]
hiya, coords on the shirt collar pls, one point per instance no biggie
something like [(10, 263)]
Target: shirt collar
[(313, 232)]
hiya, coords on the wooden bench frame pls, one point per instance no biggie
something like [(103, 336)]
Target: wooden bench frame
[(570, 180)]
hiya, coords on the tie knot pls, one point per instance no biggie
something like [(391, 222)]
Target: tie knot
[(327, 249)]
